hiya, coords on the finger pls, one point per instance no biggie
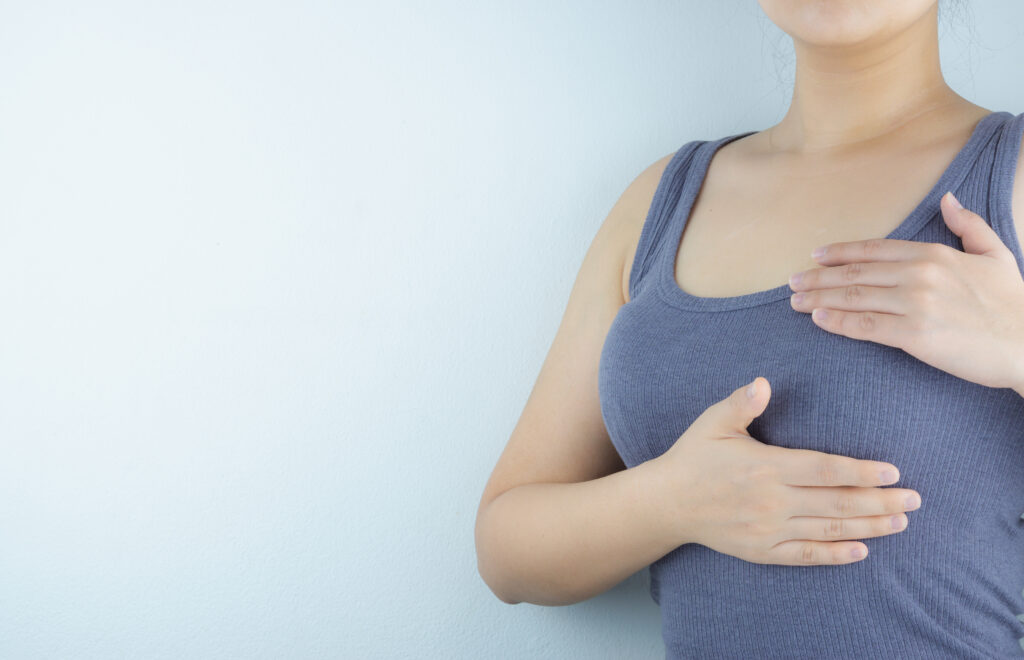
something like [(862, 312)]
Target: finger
[(880, 249), (737, 410), (814, 528), (874, 273), (851, 501), (854, 298), (809, 467), (811, 553), (976, 234), (890, 329)]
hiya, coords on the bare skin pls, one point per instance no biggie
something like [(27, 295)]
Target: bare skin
[(759, 212)]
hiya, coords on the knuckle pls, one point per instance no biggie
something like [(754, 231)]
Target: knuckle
[(844, 505), (827, 472), (927, 302), (921, 297), (807, 553), (873, 246), (834, 528), (851, 270), (853, 293), (927, 271), (867, 321)]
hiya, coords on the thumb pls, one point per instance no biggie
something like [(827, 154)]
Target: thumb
[(738, 410), (976, 235)]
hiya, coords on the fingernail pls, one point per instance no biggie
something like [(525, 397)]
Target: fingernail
[(956, 202), (912, 502), (817, 252)]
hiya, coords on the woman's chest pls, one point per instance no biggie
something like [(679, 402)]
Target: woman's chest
[(752, 226), (662, 367)]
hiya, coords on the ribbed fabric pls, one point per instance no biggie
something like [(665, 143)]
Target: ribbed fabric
[(949, 586)]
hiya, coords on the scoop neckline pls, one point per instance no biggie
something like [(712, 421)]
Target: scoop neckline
[(951, 177)]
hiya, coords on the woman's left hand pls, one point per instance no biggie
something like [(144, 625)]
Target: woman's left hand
[(961, 312)]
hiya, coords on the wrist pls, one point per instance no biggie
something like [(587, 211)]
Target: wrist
[(662, 482)]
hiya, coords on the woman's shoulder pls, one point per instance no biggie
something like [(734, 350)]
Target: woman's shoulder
[(1016, 127), (632, 209)]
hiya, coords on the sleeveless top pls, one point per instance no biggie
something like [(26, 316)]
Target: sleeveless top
[(951, 584)]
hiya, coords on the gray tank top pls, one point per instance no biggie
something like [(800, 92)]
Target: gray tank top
[(952, 583)]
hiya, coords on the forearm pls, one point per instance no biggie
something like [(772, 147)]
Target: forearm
[(562, 543)]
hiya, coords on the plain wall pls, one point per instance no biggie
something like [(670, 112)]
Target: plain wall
[(276, 279)]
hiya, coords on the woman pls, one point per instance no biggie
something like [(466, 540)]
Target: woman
[(764, 519)]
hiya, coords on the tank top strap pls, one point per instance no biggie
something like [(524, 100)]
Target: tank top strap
[(1004, 171), (659, 215)]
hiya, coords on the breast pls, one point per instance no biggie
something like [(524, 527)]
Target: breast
[(956, 574), (661, 367)]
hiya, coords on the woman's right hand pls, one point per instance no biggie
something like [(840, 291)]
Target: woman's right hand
[(769, 504)]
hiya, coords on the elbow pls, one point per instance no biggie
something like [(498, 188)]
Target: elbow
[(501, 595), (489, 578), (487, 571)]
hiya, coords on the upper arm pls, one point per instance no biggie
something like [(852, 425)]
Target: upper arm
[(560, 436), (1017, 206)]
